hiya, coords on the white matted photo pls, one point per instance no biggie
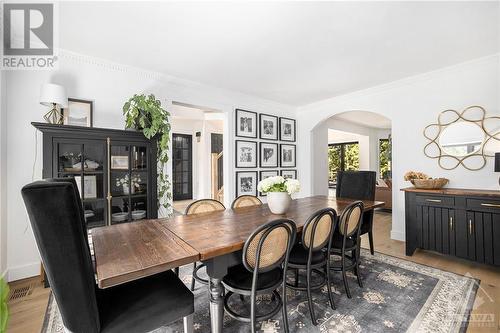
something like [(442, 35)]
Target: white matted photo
[(246, 124), (287, 156), (89, 186), (266, 174), (246, 154), (246, 183), (78, 113), (268, 127), (289, 174), (119, 162), (268, 155), (287, 129)]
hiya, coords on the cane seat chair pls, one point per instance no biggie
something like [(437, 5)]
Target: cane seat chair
[(264, 263), (199, 207), (347, 241), (246, 201), (311, 255)]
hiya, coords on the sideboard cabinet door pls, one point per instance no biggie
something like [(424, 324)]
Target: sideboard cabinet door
[(484, 237), (436, 228)]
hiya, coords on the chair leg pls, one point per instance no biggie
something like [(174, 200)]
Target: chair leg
[(358, 275), (188, 323), (297, 277), (176, 271), (328, 285), (193, 280), (370, 238), (344, 277), (283, 310), (309, 298)]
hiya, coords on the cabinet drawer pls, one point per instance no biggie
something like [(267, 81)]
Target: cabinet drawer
[(435, 200), (483, 204)]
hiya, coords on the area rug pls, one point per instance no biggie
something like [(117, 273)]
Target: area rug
[(398, 296)]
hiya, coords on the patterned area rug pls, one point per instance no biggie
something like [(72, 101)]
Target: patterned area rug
[(398, 296)]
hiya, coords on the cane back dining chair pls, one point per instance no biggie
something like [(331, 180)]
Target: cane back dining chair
[(246, 201), (346, 243), (139, 306), (198, 207), (264, 263), (311, 255)]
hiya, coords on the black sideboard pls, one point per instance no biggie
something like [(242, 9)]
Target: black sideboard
[(457, 222), (115, 170)]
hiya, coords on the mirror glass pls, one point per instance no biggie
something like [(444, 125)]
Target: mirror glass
[(461, 139)]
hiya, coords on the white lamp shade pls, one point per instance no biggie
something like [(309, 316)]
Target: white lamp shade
[(53, 94)]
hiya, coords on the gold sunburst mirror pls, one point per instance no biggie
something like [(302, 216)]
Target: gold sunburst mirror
[(464, 138)]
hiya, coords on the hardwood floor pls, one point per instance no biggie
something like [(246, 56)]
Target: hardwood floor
[(27, 313)]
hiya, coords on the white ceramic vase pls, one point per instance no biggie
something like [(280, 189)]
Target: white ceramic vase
[(278, 202)]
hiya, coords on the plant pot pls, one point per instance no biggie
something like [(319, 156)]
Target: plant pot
[(278, 202)]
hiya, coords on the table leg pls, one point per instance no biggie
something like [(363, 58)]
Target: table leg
[(216, 304)]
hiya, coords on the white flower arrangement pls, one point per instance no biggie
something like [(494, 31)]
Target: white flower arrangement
[(279, 184), (136, 180)]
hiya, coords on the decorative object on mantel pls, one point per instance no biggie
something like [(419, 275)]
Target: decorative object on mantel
[(278, 191), (497, 164), (462, 138), (53, 95), (421, 180), (146, 114), (78, 113)]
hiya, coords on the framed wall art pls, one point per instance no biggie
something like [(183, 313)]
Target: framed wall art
[(268, 155), (246, 183), (78, 113), (268, 127), (287, 129), (246, 124), (287, 156), (287, 174), (246, 154)]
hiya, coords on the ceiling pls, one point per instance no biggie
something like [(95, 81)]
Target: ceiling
[(365, 118), (291, 52)]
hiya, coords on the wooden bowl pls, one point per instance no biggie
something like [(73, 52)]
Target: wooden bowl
[(430, 184)]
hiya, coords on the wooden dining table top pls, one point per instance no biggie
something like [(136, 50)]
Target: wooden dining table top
[(129, 251)]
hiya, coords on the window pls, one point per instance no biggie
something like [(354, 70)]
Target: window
[(341, 157), (384, 148)]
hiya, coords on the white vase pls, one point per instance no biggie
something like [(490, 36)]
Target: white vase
[(278, 202)]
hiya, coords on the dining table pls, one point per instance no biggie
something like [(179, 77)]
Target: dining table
[(130, 251)]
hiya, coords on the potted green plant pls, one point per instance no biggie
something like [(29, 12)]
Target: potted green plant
[(4, 311), (279, 191), (146, 114)]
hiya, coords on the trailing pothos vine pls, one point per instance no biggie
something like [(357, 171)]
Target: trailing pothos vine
[(145, 113)]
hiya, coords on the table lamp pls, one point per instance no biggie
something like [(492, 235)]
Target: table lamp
[(53, 95), (497, 164)]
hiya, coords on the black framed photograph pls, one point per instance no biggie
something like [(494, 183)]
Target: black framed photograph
[(268, 127), (246, 154), (268, 155), (246, 183), (246, 124), (287, 129), (288, 156), (266, 174), (289, 174), (78, 113)]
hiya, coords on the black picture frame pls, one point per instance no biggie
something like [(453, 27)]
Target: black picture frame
[(239, 132), (65, 112), (238, 191), (286, 164), (262, 131), (288, 170), (237, 161), (283, 122), (275, 173), (262, 155)]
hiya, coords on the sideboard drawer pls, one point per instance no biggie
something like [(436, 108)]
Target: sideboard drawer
[(435, 200), (483, 204)]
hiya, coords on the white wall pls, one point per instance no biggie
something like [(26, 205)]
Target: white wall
[(109, 85), (3, 178), (411, 104)]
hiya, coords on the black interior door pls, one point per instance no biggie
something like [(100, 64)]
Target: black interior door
[(182, 166)]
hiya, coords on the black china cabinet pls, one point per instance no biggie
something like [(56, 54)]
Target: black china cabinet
[(115, 170)]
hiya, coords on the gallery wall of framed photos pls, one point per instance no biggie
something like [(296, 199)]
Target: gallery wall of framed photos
[(265, 146)]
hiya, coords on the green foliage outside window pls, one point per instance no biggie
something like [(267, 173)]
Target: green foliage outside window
[(385, 159), (4, 311), (342, 156), (351, 157)]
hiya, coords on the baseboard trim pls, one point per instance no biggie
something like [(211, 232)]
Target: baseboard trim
[(23, 272), (398, 235)]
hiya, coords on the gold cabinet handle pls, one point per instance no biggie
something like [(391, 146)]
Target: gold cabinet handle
[(470, 227), (433, 200), (451, 223), (490, 205)]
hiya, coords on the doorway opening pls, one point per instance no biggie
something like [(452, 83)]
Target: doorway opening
[(197, 151)]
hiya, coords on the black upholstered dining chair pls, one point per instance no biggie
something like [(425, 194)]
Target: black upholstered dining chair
[(359, 185), (198, 207), (345, 243), (311, 255), (54, 210), (264, 263)]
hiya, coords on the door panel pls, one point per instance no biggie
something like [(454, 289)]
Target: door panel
[(478, 234), (445, 231), (182, 166), (461, 240), (495, 223)]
